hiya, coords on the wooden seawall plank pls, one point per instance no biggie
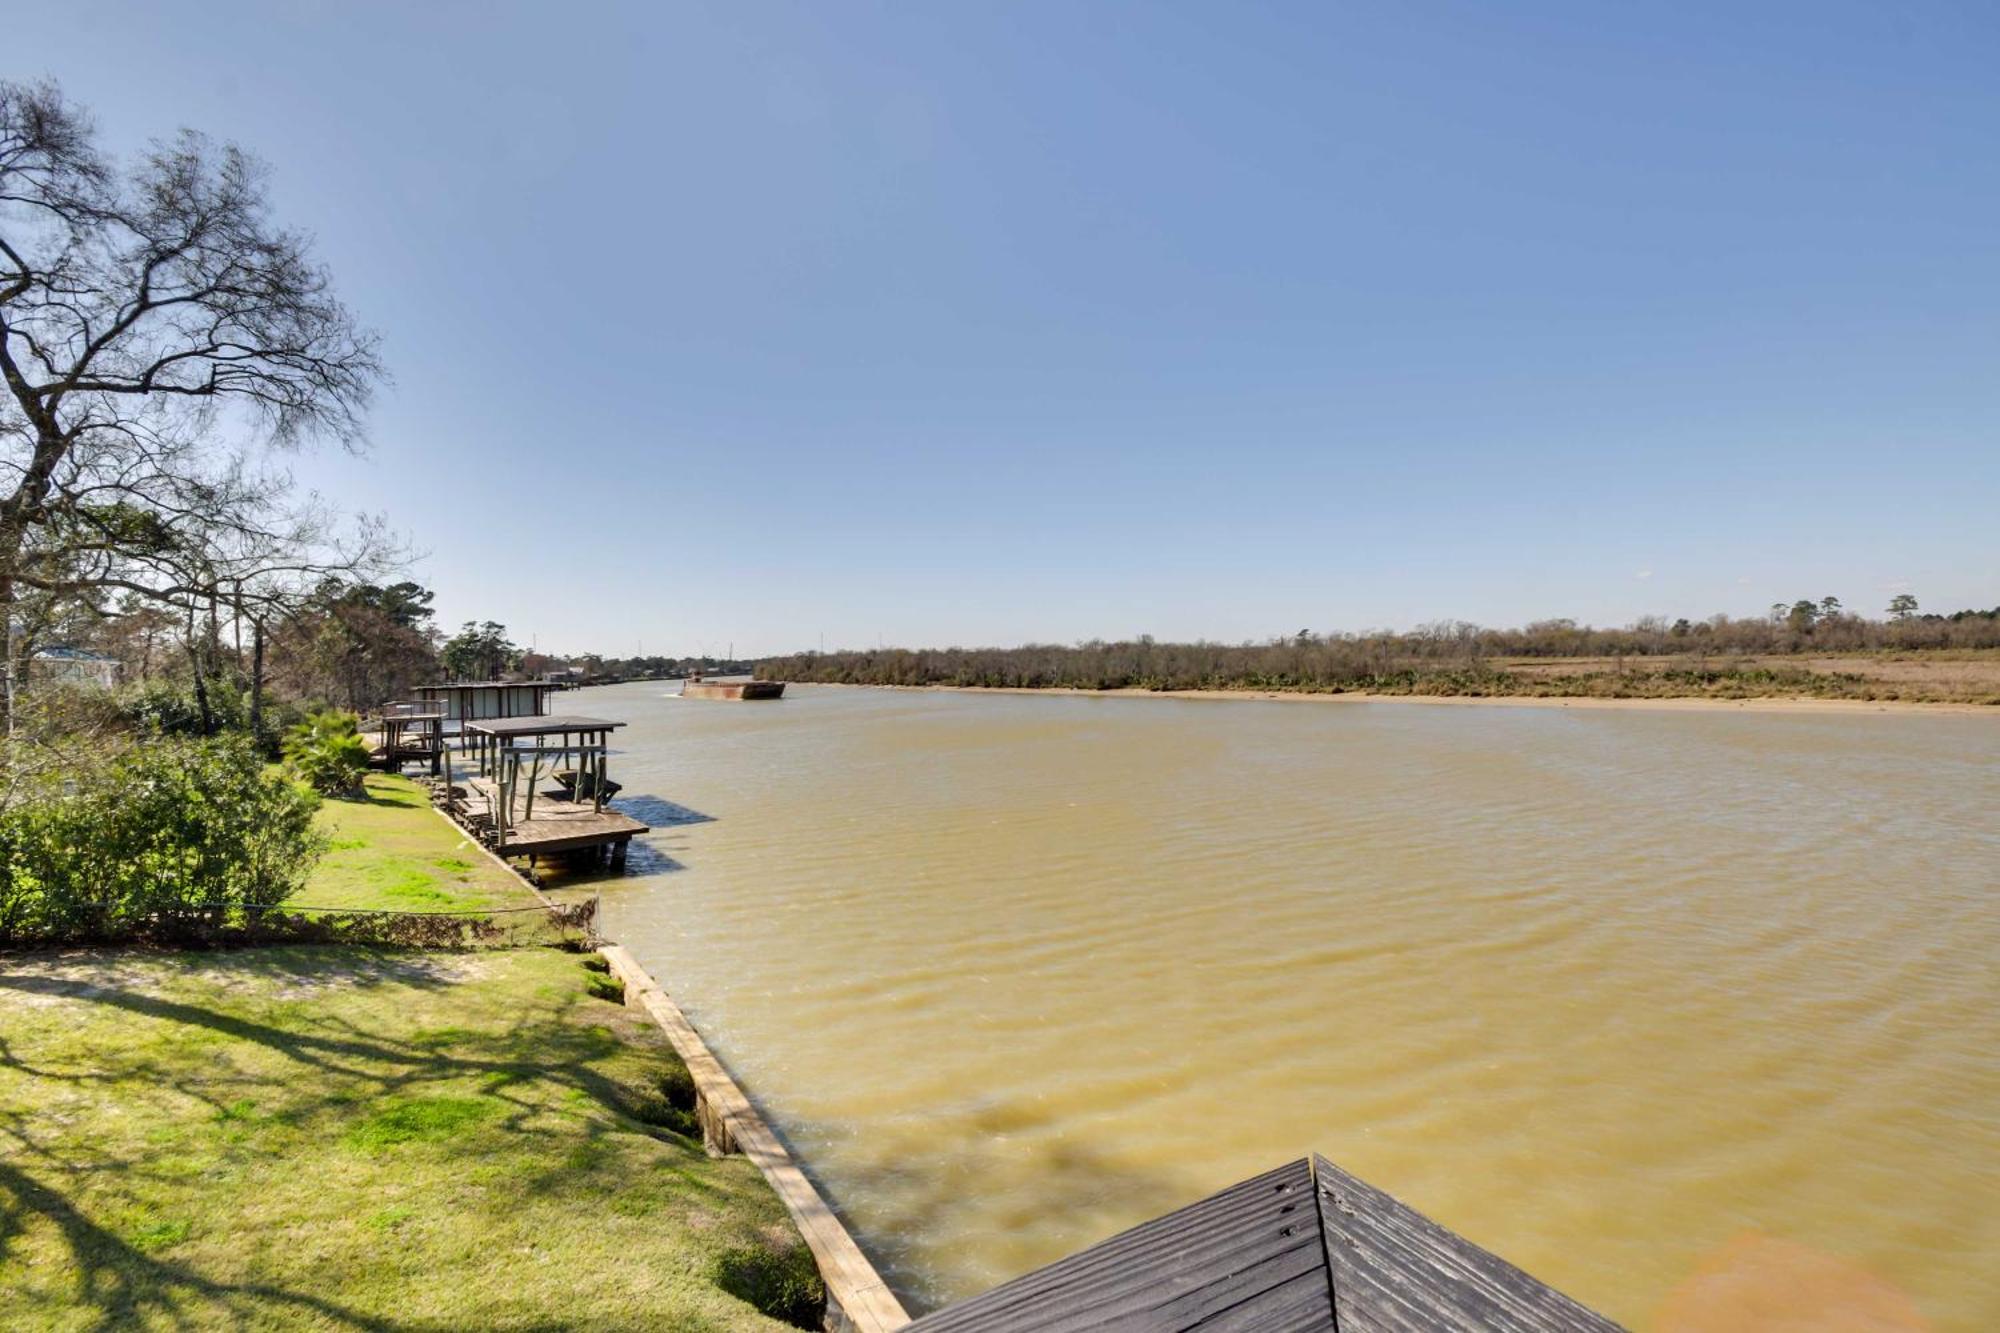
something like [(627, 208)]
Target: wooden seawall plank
[(733, 1124)]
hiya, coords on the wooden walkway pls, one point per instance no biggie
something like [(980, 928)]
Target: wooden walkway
[(1306, 1248)]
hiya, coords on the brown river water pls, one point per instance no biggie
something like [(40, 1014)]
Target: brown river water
[(1680, 1011)]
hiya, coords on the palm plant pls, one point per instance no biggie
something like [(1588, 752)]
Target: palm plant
[(327, 753)]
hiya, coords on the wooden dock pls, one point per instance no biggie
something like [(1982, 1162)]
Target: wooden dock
[(407, 733), (505, 803), (1306, 1248), (557, 824)]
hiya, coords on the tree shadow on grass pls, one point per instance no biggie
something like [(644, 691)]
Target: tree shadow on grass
[(396, 800), (554, 1043), (124, 1285), (546, 1043)]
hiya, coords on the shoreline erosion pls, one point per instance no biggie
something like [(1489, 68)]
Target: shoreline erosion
[(1669, 703)]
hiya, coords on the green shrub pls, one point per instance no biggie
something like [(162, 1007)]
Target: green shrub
[(162, 707), (151, 841), (169, 708), (327, 752)]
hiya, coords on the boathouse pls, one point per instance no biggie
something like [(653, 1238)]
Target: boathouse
[(471, 701), (1306, 1248)]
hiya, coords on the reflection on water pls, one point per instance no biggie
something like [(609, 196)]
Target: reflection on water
[(1658, 1005), (1759, 1284)]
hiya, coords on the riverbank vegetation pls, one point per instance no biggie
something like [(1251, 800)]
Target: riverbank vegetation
[(1804, 650), (412, 1120), (314, 1136), (325, 751), (155, 842), (170, 606), (386, 852), (282, 1138)]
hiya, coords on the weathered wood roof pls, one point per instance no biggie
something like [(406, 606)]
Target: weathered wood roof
[(550, 725), (1306, 1248)]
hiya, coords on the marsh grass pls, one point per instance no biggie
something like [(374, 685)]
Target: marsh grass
[(334, 1138)]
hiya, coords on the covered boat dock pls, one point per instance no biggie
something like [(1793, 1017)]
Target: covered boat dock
[(473, 701), (503, 800), (407, 733)]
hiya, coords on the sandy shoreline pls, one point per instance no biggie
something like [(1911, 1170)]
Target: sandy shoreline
[(1773, 704)]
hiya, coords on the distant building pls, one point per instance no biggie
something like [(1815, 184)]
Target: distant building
[(63, 665)]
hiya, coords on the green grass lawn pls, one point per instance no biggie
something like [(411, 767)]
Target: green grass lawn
[(389, 852), (337, 1138)]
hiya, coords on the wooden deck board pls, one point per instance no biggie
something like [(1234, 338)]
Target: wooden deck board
[(546, 725), (1396, 1271), (1247, 1259), (557, 825), (1306, 1248)]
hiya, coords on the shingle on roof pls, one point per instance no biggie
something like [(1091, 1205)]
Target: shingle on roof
[(1306, 1248)]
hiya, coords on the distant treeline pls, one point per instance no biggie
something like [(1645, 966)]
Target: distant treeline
[(1447, 656)]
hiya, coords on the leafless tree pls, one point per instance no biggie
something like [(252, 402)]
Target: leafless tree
[(143, 314)]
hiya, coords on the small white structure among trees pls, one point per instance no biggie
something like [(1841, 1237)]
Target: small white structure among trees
[(60, 665)]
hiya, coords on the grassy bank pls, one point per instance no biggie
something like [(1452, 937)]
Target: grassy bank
[(326, 1137), (387, 852), (372, 1139)]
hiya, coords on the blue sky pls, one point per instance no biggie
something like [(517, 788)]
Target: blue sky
[(979, 324)]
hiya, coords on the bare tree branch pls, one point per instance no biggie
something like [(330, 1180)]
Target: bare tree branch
[(140, 311)]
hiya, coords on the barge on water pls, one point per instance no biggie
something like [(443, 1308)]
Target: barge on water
[(694, 688)]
